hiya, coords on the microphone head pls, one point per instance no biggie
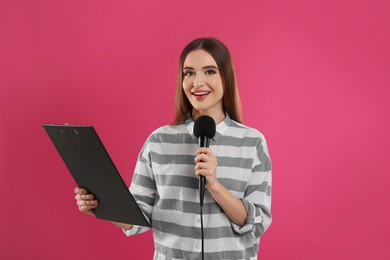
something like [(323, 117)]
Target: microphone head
[(204, 126)]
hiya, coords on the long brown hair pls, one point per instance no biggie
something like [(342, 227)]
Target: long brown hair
[(221, 55)]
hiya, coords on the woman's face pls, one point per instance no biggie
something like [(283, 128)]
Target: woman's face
[(202, 84)]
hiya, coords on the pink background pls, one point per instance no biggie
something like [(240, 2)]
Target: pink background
[(313, 77)]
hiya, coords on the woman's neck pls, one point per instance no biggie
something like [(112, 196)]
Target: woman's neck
[(218, 117)]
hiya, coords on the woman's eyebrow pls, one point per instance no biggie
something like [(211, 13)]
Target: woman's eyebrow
[(210, 67), (205, 67)]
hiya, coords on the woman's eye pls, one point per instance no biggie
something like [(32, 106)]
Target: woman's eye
[(210, 72), (188, 73)]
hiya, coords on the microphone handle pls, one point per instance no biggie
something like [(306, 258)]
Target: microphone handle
[(202, 187), (204, 141)]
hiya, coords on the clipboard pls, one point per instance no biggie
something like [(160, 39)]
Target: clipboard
[(92, 168)]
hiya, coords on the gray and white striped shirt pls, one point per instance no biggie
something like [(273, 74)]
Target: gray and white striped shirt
[(166, 188)]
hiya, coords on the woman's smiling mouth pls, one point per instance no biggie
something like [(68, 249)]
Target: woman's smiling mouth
[(200, 94)]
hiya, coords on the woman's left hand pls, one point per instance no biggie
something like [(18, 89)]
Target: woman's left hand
[(206, 165)]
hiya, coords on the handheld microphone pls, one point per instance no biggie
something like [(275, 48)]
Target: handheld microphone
[(204, 128)]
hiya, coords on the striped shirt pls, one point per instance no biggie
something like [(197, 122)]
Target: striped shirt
[(166, 189)]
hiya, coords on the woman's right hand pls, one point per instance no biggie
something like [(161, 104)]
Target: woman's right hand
[(85, 201)]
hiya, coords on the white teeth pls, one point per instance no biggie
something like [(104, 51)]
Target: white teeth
[(201, 93)]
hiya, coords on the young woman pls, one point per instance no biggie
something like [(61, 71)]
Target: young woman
[(237, 168)]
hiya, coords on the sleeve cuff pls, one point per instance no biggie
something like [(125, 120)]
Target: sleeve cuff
[(251, 219), (135, 230)]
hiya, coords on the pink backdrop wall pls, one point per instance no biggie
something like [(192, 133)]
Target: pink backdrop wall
[(313, 77)]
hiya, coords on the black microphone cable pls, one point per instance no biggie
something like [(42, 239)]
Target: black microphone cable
[(201, 230), (205, 129), (203, 142)]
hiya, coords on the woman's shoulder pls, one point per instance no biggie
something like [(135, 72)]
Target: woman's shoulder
[(163, 134), (244, 130), (168, 134), (248, 135), (170, 129)]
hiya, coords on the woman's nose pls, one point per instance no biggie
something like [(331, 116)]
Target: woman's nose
[(199, 80)]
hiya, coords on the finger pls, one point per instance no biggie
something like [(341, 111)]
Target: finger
[(87, 197), (202, 165), (86, 208), (84, 197), (79, 190), (205, 150), (203, 172), (197, 173), (201, 158), (87, 202)]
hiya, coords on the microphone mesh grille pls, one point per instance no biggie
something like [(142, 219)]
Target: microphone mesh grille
[(204, 126)]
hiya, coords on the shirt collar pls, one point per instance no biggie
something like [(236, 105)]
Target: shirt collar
[(220, 128)]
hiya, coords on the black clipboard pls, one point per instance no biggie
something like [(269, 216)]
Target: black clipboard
[(92, 168)]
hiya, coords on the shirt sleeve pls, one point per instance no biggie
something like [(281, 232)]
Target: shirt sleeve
[(143, 188), (257, 198)]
